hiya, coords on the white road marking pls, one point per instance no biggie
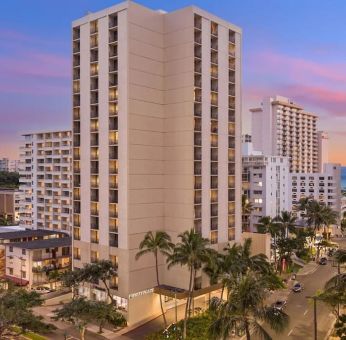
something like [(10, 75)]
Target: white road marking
[(290, 332)]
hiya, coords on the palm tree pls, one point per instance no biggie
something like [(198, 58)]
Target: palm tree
[(247, 208), (238, 262), (192, 252), (214, 267), (329, 216), (244, 310), (267, 225), (287, 222), (156, 243)]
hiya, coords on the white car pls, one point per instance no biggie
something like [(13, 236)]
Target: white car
[(41, 289)]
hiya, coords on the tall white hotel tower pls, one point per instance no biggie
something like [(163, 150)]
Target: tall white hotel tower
[(156, 135)]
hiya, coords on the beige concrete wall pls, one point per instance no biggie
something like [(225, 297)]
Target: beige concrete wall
[(260, 243)]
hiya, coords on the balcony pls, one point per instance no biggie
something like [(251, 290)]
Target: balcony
[(198, 211), (231, 169), (94, 167), (113, 79), (113, 225), (94, 181), (231, 195), (198, 22), (113, 65), (94, 236), (76, 100), (94, 195), (198, 197), (94, 55), (113, 182), (214, 126), (76, 61), (198, 51), (113, 36), (113, 109), (113, 95), (113, 51), (231, 50), (94, 84), (76, 127), (94, 139), (113, 123), (214, 141), (94, 69), (94, 111), (113, 138), (76, 47), (198, 66), (113, 211), (197, 109), (197, 95), (214, 43), (197, 154), (112, 21), (198, 37), (93, 41), (113, 167), (197, 168), (113, 196), (76, 33), (198, 182), (94, 125), (214, 71), (214, 155), (214, 57), (113, 152), (213, 168), (93, 27), (113, 240), (231, 37)]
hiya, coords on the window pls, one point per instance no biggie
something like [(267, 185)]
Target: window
[(23, 251), (47, 250), (10, 270), (11, 249), (23, 274), (76, 253)]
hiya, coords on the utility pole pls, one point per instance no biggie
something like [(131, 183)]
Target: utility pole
[(315, 314)]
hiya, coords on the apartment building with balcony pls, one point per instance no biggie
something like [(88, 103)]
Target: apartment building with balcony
[(17, 237), (324, 187), (29, 263), (323, 149), (265, 185), (283, 128), (46, 181), (156, 141)]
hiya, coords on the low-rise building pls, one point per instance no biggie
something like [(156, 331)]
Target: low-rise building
[(9, 205), (324, 187), (29, 263), (19, 235)]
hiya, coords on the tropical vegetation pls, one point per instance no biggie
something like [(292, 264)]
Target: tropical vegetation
[(16, 313), (245, 280)]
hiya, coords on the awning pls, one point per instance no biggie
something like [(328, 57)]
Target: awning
[(16, 280), (179, 293)]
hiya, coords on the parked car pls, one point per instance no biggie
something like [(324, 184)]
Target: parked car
[(323, 261), (297, 287), (279, 304), (41, 289)]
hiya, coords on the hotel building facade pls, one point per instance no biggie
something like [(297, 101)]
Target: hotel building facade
[(156, 141), (46, 181), (324, 187), (265, 184), (283, 128)]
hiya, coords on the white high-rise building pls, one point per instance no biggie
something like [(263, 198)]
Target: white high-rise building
[(46, 181), (265, 185), (283, 128), (324, 187), (323, 149), (156, 137)]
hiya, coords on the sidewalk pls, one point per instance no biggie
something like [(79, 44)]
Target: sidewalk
[(309, 268)]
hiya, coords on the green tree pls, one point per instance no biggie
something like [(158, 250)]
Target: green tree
[(16, 310), (244, 309), (106, 313), (247, 208), (267, 225), (287, 222), (103, 270), (72, 279), (9, 180), (156, 243), (78, 312), (53, 277), (192, 252)]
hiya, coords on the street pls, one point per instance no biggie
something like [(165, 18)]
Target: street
[(300, 309)]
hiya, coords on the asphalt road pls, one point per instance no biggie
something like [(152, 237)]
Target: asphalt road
[(300, 309)]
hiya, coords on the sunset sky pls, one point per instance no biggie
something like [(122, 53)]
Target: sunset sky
[(291, 48)]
